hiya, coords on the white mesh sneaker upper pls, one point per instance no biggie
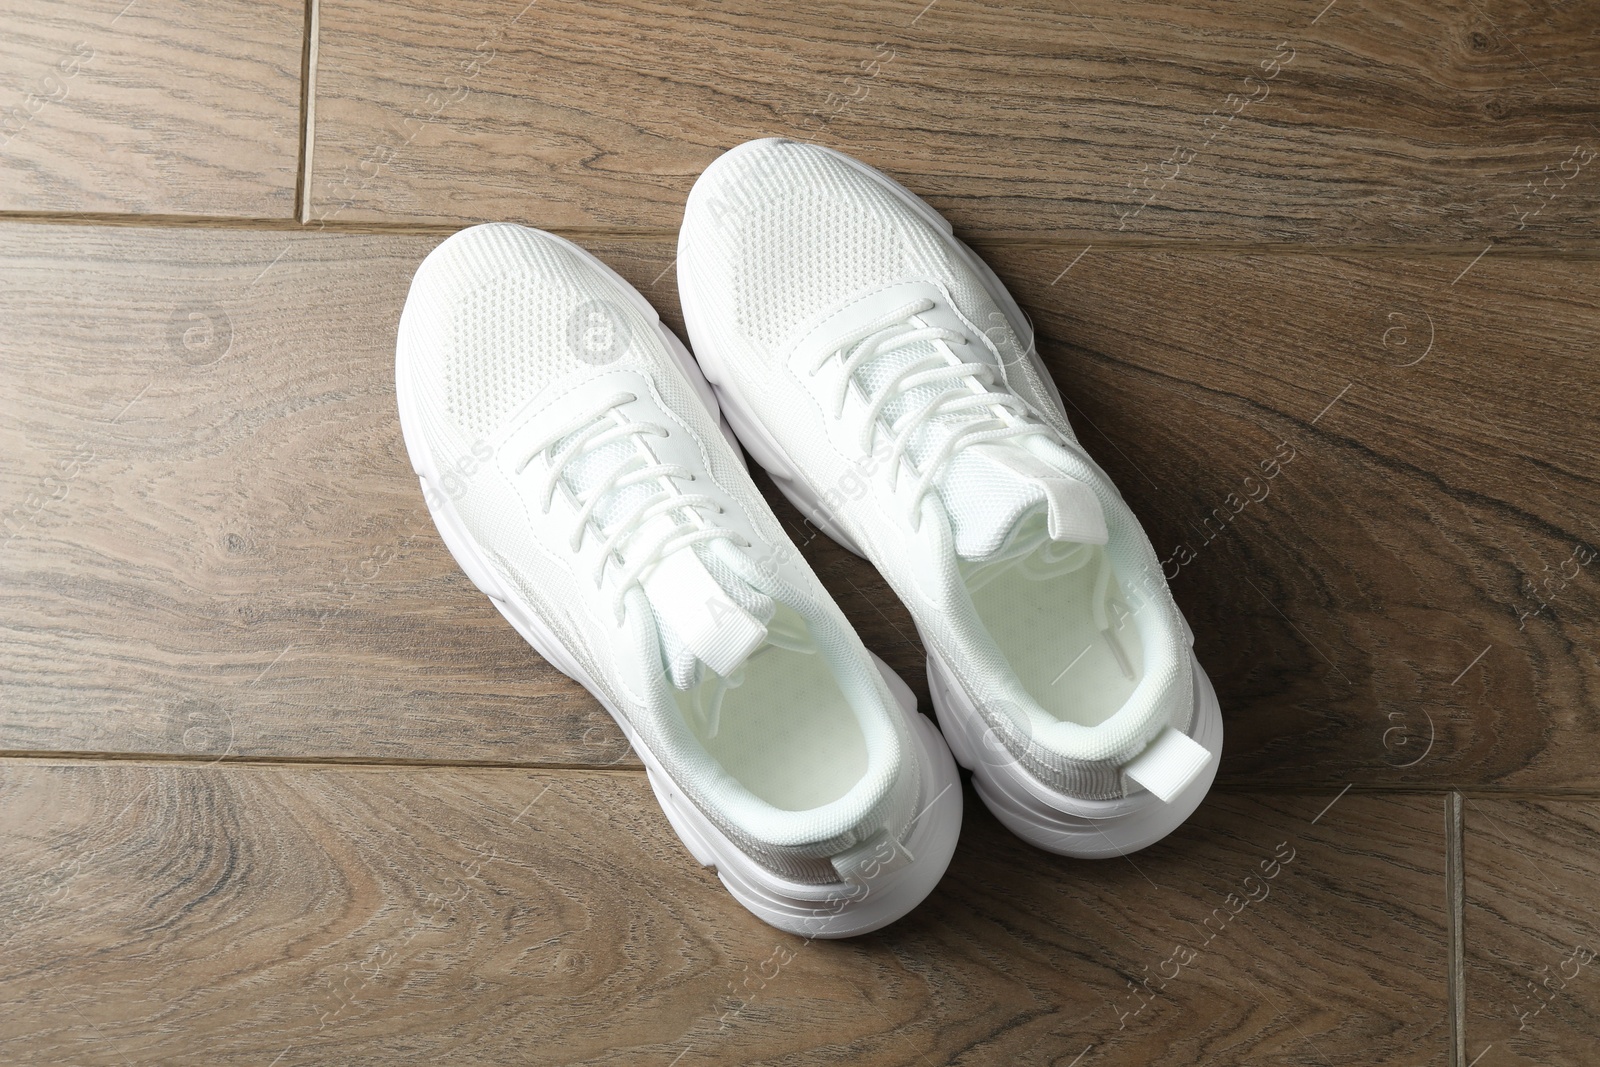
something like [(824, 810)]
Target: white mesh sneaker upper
[(508, 336), (785, 248)]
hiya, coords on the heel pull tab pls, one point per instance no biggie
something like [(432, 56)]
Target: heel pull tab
[(1169, 764)]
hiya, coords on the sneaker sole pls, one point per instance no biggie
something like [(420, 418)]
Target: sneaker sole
[(1058, 822), (821, 911)]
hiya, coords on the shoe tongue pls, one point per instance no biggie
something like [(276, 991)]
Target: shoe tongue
[(705, 612), (996, 493)]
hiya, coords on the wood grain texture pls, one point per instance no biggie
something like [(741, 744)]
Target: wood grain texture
[(1368, 460), (213, 542), (1533, 930), (1415, 571), (222, 915), (258, 503), (154, 107), (1467, 121)]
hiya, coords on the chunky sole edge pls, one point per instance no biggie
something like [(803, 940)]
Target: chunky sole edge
[(809, 910), (1058, 822), (1051, 820)]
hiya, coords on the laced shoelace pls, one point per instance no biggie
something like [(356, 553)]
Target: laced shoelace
[(966, 389), (595, 429)]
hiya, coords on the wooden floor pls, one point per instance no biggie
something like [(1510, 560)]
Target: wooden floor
[(278, 787)]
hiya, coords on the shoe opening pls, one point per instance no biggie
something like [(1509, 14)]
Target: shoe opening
[(779, 724), (1059, 617)]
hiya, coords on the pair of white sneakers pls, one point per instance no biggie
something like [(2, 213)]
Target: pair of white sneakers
[(577, 463)]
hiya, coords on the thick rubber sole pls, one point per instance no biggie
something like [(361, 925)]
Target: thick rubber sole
[(808, 910), (1055, 821), (1058, 822)]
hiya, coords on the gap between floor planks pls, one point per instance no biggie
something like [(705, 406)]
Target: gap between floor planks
[(1578, 250)]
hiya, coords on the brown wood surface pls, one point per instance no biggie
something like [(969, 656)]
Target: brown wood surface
[(161, 107), (219, 584), (1253, 121), (1385, 588), (218, 549), (1533, 930), (222, 915)]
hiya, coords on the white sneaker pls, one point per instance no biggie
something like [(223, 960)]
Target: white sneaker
[(885, 378), (571, 457)]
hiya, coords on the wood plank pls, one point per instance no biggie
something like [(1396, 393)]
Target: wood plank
[(155, 107), (1358, 123), (1389, 585), (1533, 931), (227, 555), (236, 914), (214, 545)]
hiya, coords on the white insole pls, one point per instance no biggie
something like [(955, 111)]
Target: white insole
[(1079, 663), (785, 731)]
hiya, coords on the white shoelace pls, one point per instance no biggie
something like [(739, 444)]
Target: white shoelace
[(594, 430), (966, 388)]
